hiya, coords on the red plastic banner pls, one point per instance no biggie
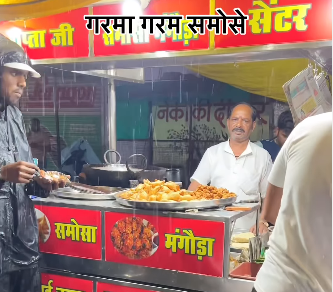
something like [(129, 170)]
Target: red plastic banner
[(141, 41), (183, 245), (278, 22), (70, 232), (62, 284), (104, 287), (58, 36), (270, 22)]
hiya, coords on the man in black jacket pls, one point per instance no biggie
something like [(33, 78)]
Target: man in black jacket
[(19, 254)]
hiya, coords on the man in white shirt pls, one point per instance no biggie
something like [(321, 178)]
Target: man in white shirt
[(300, 255), (237, 165)]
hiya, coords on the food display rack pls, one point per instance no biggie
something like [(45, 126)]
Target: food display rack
[(80, 242)]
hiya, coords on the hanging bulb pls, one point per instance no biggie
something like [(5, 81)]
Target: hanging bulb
[(132, 8)]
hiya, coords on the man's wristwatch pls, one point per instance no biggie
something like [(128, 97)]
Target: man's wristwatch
[(267, 224)]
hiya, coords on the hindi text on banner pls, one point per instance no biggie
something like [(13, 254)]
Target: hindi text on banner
[(76, 232), (192, 245)]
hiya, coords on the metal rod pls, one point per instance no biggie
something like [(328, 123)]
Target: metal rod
[(257, 222), (56, 114), (112, 116)]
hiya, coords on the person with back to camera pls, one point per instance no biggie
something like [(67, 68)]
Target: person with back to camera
[(299, 201)]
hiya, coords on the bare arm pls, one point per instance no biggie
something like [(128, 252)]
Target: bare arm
[(272, 204), (202, 173), (270, 208), (193, 186)]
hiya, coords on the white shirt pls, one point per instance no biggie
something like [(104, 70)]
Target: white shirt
[(245, 176), (300, 255)]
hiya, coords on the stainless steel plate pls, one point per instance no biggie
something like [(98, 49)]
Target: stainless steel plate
[(75, 195), (177, 206)]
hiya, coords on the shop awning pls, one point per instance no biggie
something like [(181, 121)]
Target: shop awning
[(263, 78), (27, 9)]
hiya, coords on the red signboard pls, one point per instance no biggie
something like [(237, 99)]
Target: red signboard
[(74, 95), (184, 245), (141, 42), (278, 22), (60, 283), (58, 36), (270, 22), (71, 232), (104, 287)]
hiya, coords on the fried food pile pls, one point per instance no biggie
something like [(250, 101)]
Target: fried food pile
[(55, 176), (43, 229), (133, 237), (212, 193), (160, 191)]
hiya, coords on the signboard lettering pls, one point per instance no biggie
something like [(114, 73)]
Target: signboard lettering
[(56, 283), (279, 22), (283, 20), (197, 24), (170, 25), (173, 121), (199, 246), (77, 95), (62, 36), (141, 36), (76, 232), (71, 232), (56, 36)]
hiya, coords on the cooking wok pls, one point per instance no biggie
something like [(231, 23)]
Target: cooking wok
[(113, 174)]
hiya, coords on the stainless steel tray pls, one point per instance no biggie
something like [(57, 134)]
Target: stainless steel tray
[(63, 193), (177, 206)]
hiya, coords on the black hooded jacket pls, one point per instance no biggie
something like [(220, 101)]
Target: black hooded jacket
[(18, 223)]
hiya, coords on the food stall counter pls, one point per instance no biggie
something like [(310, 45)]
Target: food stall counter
[(183, 250), (108, 205)]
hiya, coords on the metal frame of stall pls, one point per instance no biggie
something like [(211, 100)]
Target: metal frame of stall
[(310, 50), (151, 278), (134, 275)]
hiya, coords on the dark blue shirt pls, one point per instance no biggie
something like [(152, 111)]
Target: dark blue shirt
[(272, 148)]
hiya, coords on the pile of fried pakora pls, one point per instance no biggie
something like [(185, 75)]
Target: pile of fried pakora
[(160, 191), (133, 237), (212, 193), (55, 176)]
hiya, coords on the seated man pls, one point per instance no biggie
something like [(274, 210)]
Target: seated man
[(237, 165), (281, 132)]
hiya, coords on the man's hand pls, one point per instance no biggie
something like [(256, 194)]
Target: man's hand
[(49, 185), (19, 172), (194, 186), (262, 228)]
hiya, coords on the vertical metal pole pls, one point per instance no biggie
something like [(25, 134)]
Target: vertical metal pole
[(56, 98), (151, 135), (112, 116), (257, 222)]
